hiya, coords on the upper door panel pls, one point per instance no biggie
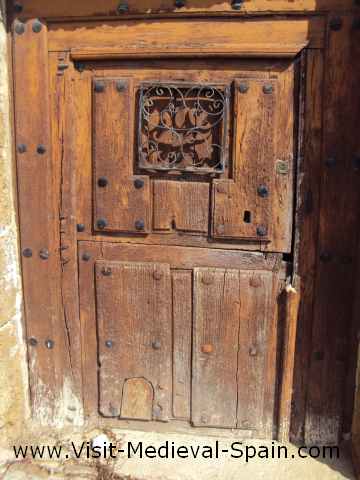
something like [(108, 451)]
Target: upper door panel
[(207, 153)]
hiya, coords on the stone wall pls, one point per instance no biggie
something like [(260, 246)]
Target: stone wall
[(13, 371)]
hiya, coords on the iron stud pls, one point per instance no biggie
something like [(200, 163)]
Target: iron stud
[(101, 223), (86, 256), (123, 7), (330, 162), (237, 4), (140, 224), (37, 26), (243, 87), (106, 271), (19, 28), (138, 183), (109, 344), (326, 257), (268, 89), (18, 8), (49, 344), (103, 182), (263, 191), (261, 231), (180, 3), (33, 342), (336, 24), (41, 149), (156, 345), (21, 148), (27, 252), (120, 85), (80, 67), (99, 86), (44, 254), (80, 227)]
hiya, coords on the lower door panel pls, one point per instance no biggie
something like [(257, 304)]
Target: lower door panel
[(175, 333)]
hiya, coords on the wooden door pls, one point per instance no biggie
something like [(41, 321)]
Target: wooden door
[(188, 182)]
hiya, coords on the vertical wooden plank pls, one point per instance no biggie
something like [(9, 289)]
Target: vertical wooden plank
[(310, 167), (339, 214), (239, 209), (134, 335), (182, 329), (215, 347), (292, 299), (182, 206), (63, 110), (255, 317), (121, 204), (39, 216)]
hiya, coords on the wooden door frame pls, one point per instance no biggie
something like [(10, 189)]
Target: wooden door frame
[(325, 246)]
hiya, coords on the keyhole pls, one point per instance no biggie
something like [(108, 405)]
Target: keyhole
[(247, 216)]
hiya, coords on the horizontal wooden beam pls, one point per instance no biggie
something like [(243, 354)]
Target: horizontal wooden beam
[(106, 8), (228, 37)]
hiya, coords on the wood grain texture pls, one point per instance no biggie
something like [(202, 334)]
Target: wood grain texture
[(292, 300), (310, 169), (215, 347), (119, 204), (134, 314), (182, 206), (339, 213), (238, 209), (256, 313), (196, 37), (39, 226), (182, 342), (106, 8)]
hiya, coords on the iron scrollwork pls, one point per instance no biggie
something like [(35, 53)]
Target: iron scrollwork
[(183, 127)]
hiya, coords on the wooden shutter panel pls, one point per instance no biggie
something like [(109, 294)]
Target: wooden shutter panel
[(243, 207), (135, 340), (122, 199)]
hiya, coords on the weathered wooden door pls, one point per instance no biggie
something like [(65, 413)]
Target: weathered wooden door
[(172, 149), (191, 162)]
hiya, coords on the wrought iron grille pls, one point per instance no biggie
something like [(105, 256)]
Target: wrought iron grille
[(183, 127)]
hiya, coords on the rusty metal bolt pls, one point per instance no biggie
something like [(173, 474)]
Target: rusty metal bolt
[(33, 342), (207, 348), (80, 227), (99, 87), (109, 344), (237, 4)]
